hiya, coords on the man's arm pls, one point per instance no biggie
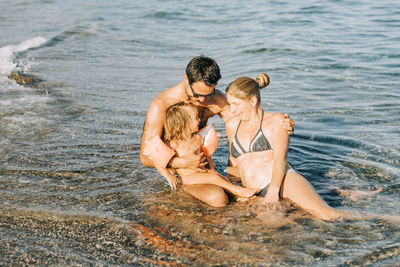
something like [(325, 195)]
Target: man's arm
[(153, 126)]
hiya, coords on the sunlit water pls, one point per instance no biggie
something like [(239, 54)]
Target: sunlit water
[(73, 190)]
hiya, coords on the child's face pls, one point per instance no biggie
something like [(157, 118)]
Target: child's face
[(194, 122)]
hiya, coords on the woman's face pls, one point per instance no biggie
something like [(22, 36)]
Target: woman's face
[(239, 107)]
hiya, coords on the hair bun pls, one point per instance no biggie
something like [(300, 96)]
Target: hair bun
[(262, 80)]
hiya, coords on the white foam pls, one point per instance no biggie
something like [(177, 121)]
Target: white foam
[(23, 103), (7, 53), (20, 106)]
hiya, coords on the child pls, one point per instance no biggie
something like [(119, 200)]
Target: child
[(181, 125)]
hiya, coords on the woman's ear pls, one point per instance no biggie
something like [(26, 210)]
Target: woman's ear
[(253, 101)]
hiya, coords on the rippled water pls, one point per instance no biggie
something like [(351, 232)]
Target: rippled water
[(72, 188)]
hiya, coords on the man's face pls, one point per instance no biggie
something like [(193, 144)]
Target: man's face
[(199, 91)]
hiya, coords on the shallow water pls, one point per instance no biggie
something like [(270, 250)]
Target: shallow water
[(73, 190)]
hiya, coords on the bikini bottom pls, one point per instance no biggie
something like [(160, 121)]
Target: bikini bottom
[(264, 191)]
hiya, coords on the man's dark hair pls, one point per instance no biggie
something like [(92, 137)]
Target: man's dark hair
[(203, 69)]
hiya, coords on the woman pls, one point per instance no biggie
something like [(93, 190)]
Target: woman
[(258, 148)]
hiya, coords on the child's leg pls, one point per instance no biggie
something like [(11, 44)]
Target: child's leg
[(297, 189), (212, 195), (217, 179)]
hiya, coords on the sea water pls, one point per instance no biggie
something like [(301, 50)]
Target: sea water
[(73, 190)]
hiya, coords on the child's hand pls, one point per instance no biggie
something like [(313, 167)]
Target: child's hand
[(171, 179), (173, 182)]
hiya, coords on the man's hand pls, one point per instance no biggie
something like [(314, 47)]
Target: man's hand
[(198, 162), (288, 124)]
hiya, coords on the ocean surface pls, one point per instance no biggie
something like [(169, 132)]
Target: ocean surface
[(73, 191)]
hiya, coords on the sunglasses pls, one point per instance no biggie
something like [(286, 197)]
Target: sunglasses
[(196, 95)]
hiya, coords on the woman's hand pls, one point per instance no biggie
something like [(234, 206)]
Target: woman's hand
[(272, 195), (288, 124)]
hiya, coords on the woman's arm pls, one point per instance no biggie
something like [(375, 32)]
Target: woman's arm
[(230, 129), (232, 170), (280, 142)]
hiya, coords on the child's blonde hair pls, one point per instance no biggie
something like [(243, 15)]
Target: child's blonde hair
[(177, 121)]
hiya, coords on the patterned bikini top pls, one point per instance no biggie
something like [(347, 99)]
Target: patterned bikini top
[(259, 142)]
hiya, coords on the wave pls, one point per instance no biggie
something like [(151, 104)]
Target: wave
[(21, 108), (7, 54), (71, 33)]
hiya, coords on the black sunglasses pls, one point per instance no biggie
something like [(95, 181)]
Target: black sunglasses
[(199, 95)]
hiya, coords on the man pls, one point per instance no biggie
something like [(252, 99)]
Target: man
[(198, 86)]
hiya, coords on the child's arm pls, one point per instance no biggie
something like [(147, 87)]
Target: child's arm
[(163, 170), (160, 153), (172, 180)]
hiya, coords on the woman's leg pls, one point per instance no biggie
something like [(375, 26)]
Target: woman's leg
[(219, 180), (298, 190), (211, 194), (356, 195)]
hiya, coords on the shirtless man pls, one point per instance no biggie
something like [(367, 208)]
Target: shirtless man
[(198, 86)]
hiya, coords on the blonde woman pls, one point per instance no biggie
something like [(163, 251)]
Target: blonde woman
[(258, 149), (181, 125)]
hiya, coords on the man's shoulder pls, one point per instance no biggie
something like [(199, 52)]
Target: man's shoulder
[(220, 96), (158, 104), (232, 122), (166, 98), (216, 103)]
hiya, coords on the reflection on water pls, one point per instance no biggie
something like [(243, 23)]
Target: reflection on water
[(247, 233), (175, 229)]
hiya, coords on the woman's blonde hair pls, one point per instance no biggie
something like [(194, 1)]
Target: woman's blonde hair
[(244, 87), (177, 121)]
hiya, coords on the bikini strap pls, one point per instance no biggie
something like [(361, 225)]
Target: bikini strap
[(262, 117), (237, 128)]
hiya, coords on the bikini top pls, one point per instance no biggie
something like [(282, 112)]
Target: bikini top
[(259, 142)]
